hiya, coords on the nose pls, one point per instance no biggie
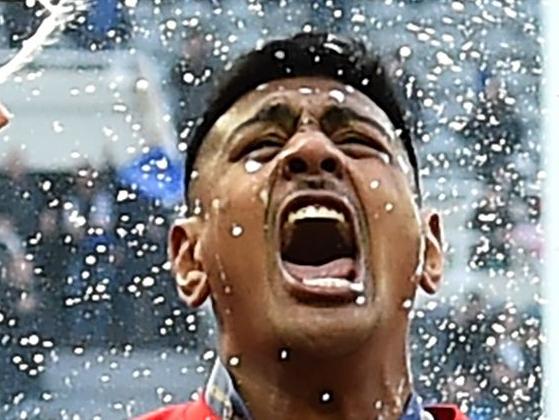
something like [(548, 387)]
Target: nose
[(311, 154)]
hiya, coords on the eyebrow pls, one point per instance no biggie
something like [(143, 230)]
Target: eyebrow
[(339, 116), (273, 113)]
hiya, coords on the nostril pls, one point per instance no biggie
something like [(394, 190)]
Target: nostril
[(297, 166), (329, 165)]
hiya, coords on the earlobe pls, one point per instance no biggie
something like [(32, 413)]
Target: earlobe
[(432, 273), (194, 289), (186, 259)]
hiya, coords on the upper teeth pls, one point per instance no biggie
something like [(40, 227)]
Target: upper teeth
[(315, 212)]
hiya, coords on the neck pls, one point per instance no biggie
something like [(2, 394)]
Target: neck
[(371, 382)]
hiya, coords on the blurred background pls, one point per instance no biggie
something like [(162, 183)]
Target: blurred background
[(91, 170)]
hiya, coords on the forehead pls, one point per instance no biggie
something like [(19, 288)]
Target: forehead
[(311, 94)]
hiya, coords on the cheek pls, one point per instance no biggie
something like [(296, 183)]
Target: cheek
[(235, 240), (393, 227)]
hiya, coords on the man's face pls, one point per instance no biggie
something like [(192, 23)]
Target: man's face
[(308, 229)]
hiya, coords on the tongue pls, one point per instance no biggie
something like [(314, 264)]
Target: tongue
[(341, 268)]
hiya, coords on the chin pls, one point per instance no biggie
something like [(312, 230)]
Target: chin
[(325, 332)]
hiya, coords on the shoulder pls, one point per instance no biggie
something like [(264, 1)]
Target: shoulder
[(446, 412), (195, 410)]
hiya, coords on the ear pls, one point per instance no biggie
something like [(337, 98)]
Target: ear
[(433, 257), (187, 266)]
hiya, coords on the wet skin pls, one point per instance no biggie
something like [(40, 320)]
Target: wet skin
[(315, 140)]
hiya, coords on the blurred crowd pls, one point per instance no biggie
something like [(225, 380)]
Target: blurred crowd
[(83, 254)]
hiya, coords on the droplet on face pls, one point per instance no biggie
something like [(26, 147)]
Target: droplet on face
[(264, 196), (375, 183), (385, 158), (305, 90), (236, 230), (284, 354), (337, 95), (325, 397), (252, 166), (389, 207), (360, 300), (197, 208)]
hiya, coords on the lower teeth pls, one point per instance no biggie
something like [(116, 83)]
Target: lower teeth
[(331, 282)]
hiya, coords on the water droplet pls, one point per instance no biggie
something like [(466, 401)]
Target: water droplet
[(57, 127), (326, 397), (237, 230), (90, 260), (46, 185), (90, 89), (375, 183), (444, 59), (360, 300), (208, 355), (337, 95), (458, 6), (252, 166), (405, 51), (142, 85), (264, 196), (385, 158), (188, 77), (284, 354), (38, 358), (171, 24), (389, 207), (216, 203), (234, 361), (148, 281), (279, 54)]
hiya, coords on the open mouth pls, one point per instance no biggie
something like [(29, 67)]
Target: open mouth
[(319, 249)]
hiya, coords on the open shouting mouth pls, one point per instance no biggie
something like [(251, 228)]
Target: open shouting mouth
[(319, 253)]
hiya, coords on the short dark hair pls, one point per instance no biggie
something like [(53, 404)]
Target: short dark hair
[(308, 54)]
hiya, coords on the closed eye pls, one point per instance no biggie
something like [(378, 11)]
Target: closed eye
[(361, 147), (262, 149)]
